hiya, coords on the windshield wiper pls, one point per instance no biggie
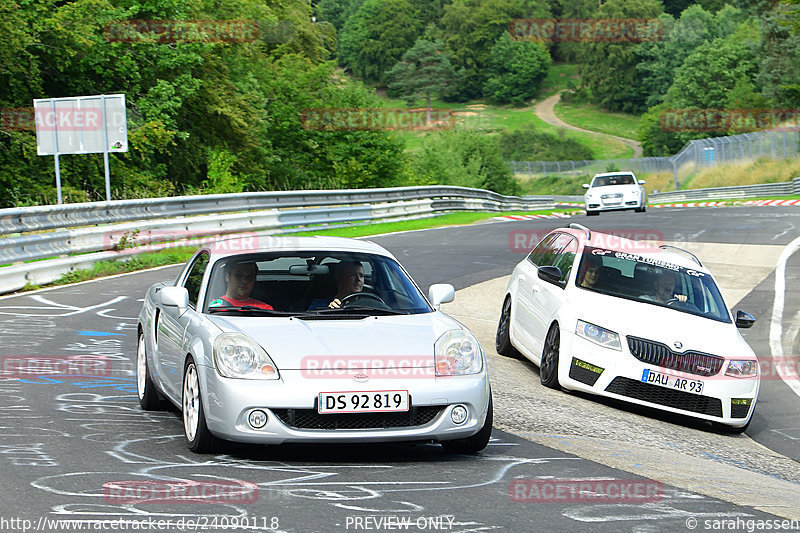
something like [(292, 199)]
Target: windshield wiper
[(355, 309)]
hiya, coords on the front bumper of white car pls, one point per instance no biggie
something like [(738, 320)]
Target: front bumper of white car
[(587, 367)]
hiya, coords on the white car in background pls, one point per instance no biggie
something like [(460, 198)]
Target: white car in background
[(614, 191), (612, 317)]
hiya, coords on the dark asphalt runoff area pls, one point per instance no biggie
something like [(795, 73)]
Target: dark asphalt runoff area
[(76, 451)]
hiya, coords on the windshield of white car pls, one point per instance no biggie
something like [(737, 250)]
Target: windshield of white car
[(648, 279), (300, 283), (605, 181)]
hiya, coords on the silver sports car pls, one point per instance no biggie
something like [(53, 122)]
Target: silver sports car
[(310, 339)]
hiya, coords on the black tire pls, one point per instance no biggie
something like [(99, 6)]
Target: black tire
[(478, 441), (502, 340), (592, 213), (548, 366), (195, 431), (149, 398)]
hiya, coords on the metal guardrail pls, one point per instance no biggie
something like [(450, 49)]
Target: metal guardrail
[(787, 188), (66, 237)]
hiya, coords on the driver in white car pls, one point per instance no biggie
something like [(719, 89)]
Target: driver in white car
[(664, 286), (349, 276)]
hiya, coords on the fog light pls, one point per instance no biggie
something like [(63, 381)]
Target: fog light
[(459, 414), (257, 419)]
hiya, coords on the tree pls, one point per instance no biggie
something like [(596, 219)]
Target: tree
[(423, 71), (516, 70), (712, 70), (375, 37), (465, 158), (608, 69), (470, 29)]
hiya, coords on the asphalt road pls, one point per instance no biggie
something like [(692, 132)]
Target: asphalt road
[(67, 443)]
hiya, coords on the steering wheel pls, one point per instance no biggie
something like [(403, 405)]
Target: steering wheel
[(344, 301), (671, 301)]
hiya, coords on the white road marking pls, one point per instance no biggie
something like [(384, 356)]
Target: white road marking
[(779, 360)]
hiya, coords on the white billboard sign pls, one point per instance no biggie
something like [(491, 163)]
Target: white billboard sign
[(81, 125)]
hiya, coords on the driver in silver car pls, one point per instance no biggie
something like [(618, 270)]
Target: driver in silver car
[(349, 276)]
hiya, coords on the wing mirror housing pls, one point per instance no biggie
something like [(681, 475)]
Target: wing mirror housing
[(744, 320), (174, 297), (551, 274), (441, 293)]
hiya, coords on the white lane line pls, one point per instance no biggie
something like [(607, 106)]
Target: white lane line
[(779, 360)]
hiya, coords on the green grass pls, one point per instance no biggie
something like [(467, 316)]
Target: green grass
[(594, 118), (182, 254), (557, 78), (493, 118)]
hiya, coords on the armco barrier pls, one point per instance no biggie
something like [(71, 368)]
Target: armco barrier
[(68, 237), (741, 191)]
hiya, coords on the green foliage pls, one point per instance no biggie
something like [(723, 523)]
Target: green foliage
[(608, 69), (422, 72), (516, 70), (375, 37), (465, 158), (470, 28), (713, 68), (526, 144)]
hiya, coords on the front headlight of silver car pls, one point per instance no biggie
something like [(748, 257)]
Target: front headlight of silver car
[(238, 356), (457, 352), (598, 335)]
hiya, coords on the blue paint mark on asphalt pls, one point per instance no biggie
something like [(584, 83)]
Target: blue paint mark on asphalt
[(98, 334)]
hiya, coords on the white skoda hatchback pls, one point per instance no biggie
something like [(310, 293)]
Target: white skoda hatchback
[(614, 191), (610, 316)]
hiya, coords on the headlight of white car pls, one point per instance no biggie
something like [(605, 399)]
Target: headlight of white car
[(237, 356), (457, 352), (598, 335), (744, 368)]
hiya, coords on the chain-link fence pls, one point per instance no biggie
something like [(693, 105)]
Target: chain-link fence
[(702, 153)]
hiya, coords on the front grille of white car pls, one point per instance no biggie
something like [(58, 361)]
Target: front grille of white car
[(311, 419), (655, 353), (667, 397)]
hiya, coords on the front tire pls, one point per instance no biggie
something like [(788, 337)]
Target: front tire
[(548, 366), (502, 341), (145, 389), (592, 213), (195, 431), (478, 441)]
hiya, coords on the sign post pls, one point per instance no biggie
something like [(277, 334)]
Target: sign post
[(81, 125)]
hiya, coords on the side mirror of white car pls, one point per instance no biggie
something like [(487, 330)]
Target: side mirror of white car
[(441, 293), (642, 182), (174, 297), (551, 274), (744, 320), (585, 185)]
